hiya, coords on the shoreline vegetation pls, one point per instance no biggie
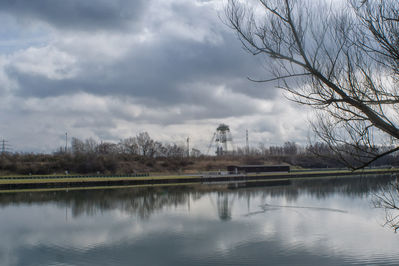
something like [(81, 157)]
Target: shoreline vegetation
[(142, 154)]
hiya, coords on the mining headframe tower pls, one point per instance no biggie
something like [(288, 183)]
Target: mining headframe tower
[(222, 140)]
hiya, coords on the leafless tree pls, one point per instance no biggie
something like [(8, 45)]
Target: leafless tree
[(341, 60), (78, 146), (195, 153), (107, 148), (290, 148), (90, 146), (276, 151), (174, 151), (388, 199), (146, 145), (129, 145)]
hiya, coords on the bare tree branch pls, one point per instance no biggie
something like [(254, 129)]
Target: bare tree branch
[(349, 62)]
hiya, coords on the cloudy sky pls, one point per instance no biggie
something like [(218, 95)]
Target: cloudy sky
[(111, 69)]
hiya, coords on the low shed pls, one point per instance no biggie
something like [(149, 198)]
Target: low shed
[(257, 168)]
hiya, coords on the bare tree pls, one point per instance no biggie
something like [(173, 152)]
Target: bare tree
[(145, 144), (276, 151), (342, 61), (290, 148), (195, 153), (78, 146), (90, 145), (388, 199), (87, 146), (129, 145), (174, 151), (107, 148)]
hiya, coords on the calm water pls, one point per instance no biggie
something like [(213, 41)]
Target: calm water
[(307, 223)]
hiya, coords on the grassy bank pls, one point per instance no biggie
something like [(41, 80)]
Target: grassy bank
[(49, 183)]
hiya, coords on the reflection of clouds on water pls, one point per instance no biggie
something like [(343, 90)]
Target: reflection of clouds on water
[(144, 202), (352, 235), (184, 225), (387, 198)]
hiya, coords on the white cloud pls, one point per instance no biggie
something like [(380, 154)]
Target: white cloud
[(174, 71), (46, 61)]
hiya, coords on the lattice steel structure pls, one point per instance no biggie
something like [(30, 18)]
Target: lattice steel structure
[(222, 140)]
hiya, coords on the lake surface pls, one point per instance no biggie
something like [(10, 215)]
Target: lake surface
[(326, 222)]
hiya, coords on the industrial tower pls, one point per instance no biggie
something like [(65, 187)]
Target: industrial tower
[(223, 140)]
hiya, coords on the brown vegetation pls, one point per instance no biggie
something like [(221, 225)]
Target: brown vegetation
[(144, 155)]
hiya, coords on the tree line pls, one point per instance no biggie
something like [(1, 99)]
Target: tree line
[(141, 153), (141, 145), (132, 155)]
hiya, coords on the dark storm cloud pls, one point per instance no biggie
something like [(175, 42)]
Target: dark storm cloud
[(76, 14), (159, 71)]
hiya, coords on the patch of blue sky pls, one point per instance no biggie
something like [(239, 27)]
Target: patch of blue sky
[(15, 35)]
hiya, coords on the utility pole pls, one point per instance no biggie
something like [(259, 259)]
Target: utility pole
[(66, 142), (188, 146), (246, 142)]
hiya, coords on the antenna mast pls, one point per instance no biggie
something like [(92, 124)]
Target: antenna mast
[(66, 142), (246, 142), (188, 146)]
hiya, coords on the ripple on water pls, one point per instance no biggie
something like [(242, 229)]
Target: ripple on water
[(376, 259), (300, 233)]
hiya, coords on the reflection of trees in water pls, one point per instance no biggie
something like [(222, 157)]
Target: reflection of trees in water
[(388, 199), (143, 202), (140, 202), (321, 188)]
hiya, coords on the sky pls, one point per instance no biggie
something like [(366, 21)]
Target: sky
[(109, 70)]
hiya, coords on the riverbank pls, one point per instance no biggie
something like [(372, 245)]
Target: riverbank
[(23, 183)]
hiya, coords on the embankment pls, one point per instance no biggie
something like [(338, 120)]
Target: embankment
[(69, 182)]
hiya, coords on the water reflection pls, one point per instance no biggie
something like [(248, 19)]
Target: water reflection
[(143, 202), (224, 203), (387, 198), (325, 222), (268, 207)]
